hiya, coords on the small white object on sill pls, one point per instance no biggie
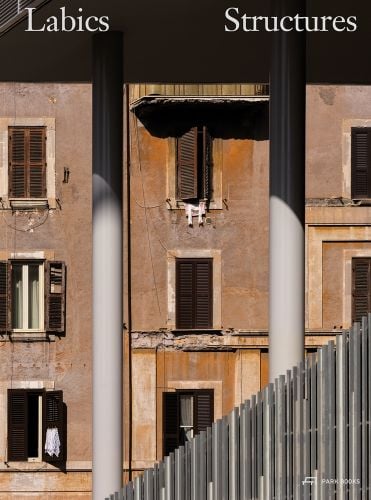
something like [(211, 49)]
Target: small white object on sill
[(52, 442)]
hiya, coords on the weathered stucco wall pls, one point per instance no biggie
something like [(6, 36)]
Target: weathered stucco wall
[(65, 233)]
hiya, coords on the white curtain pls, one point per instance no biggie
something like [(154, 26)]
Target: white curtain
[(17, 297), (33, 296), (186, 415)]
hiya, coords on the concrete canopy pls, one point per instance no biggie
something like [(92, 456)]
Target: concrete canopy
[(182, 41)]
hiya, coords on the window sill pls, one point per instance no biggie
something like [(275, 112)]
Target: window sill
[(196, 331), (28, 336), (174, 204), (28, 203)]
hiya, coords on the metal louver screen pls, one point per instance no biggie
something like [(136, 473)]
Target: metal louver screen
[(11, 8)]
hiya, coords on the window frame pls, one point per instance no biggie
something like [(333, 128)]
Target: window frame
[(355, 170), (25, 276), (194, 293), (178, 393), (47, 201), (48, 414), (358, 293)]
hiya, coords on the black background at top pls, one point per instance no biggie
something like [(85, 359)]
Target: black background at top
[(184, 41)]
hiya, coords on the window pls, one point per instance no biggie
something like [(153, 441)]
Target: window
[(361, 162), (185, 414), (32, 296), (361, 289), (193, 151), (30, 414), (27, 162), (194, 293)]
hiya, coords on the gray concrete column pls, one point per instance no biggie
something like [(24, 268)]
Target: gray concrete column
[(107, 263), (287, 194)]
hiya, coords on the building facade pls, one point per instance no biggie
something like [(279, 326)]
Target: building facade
[(196, 263)]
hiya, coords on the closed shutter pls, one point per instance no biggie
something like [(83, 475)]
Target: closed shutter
[(55, 291), (17, 425), (37, 162), (361, 160), (203, 293), (170, 422), (54, 416), (4, 292), (187, 165), (204, 409), (194, 293), (17, 163), (27, 162), (361, 288)]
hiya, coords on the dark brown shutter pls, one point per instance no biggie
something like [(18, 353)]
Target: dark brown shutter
[(170, 422), (203, 409), (184, 293), (194, 293), (37, 162), (4, 292), (187, 165), (203, 294), (17, 163), (27, 162), (54, 416), (361, 160), (361, 288), (17, 425), (206, 164), (55, 291)]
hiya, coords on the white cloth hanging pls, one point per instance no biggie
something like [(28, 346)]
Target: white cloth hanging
[(192, 210), (52, 442)]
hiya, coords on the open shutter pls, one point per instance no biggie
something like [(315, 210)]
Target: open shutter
[(170, 422), (203, 293), (206, 164), (4, 297), (187, 165), (184, 293), (37, 162), (204, 409), (17, 425), (361, 288), (361, 160), (54, 417), (17, 162), (55, 291)]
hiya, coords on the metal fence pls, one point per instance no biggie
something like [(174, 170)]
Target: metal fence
[(9, 9), (307, 436)]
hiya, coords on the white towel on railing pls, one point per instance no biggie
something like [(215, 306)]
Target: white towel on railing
[(192, 210), (52, 442)]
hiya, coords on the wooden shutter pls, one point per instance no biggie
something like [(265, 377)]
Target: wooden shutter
[(54, 416), (55, 291), (203, 294), (184, 294), (37, 162), (361, 288), (187, 165), (170, 434), (206, 164), (4, 296), (27, 162), (203, 409), (194, 293), (17, 425), (17, 162), (361, 162)]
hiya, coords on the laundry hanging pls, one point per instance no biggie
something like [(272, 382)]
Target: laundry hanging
[(52, 442), (193, 210)]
